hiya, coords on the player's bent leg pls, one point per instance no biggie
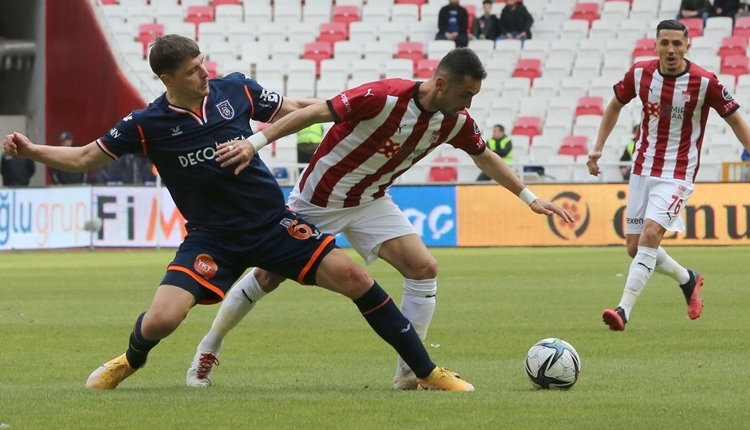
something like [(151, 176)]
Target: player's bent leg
[(337, 272), (239, 301), (168, 309), (410, 257)]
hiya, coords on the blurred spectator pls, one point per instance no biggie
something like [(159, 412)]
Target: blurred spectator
[(487, 25), (453, 24), (501, 145), (515, 22), (745, 170), (15, 171), (308, 140), (627, 155), (694, 9), (130, 169), (61, 177), (728, 8)]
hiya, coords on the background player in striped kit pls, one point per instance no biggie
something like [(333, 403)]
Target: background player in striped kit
[(382, 129), (676, 96)]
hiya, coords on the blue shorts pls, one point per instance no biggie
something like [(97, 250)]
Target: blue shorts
[(208, 263)]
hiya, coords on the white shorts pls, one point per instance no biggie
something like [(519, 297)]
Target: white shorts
[(366, 227), (658, 199)]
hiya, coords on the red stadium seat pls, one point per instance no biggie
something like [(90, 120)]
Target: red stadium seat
[(426, 68), (694, 26), (413, 51), (528, 68), (444, 173), (471, 10), (346, 14), (332, 32), (416, 2), (742, 26), (220, 2), (575, 146), (317, 51), (644, 48), (528, 126), (106, 2), (735, 65), (147, 33), (198, 14), (587, 11), (211, 69), (590, 106), (732, 45)]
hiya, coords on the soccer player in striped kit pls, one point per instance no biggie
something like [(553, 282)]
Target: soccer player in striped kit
[(382, 129), (676, 96)]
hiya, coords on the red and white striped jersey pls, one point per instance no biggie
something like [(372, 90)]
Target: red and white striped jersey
[(675, 110), (381, 130)]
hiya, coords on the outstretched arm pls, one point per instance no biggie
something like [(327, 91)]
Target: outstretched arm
[(72, 159), (609, 120), (740, 128), (242, 151), (494, 167)]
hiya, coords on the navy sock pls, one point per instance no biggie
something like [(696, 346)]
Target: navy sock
[(139, 347), (390, 324)]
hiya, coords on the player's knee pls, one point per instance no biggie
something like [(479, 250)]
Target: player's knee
[(632, 250), (159, 322), (267, 280), (423, 269)]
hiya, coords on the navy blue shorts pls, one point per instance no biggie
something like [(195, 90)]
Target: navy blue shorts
[(208, 263)]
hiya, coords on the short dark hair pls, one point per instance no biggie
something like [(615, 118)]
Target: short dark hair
[(500, 127), (461, 62), (672, 24), (168, 51), (487, 2)]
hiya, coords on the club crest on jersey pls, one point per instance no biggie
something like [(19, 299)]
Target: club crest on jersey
[(225, 109), (686, 96), (681, 191), (434, 138), (726, 95)]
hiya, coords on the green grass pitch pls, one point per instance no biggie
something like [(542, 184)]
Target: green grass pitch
[(305, 359)]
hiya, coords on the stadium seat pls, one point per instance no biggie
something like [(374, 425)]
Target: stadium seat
[(444, 173), (258, 14), (574, 145), (405, 13), (332, 32), (733, 45), (742, 26), (528, 126), (347, 51), (718, 27), (228, 13), (211, 69), (315, 14), (590, 106), (345, 14), (317, 51), (334, 69), (198, 14), (303, 32), (437, 49), (644, 47), (416, 2), (399, 68), (586, 11), (615, 11), (222, 2), (211, 32), (413, 51), (574, 30), (694, 26), (363, 32), (528, 68), (147, 33), (426, 68), (377, 11), (392, 32), (735, 65)]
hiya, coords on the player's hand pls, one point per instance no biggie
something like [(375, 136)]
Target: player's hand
[(17, 145), (592, 163), (236, 151), (548, 208)]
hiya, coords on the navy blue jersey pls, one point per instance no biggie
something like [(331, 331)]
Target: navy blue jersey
[(182, 146)]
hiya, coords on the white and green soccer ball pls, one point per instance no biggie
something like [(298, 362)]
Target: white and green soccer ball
[(553, 364)]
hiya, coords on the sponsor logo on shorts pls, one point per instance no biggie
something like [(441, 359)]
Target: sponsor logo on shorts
[(634, 221), (205, 266)]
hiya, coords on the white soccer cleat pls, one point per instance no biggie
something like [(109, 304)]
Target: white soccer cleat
[(199, 373)]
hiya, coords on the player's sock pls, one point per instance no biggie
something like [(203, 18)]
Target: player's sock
[(640, 271), (666, 265), (391, 325), (418, 305), (139, 346), (237, 304)]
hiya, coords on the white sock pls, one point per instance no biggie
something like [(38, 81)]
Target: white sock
[(640, 271), (666, 265), (236, 305), (418, 305)]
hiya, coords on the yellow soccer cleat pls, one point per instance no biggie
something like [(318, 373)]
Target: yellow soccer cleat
[(109, 375), (445, 380)]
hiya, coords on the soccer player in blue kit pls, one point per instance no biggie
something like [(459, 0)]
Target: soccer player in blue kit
[(233, 221)]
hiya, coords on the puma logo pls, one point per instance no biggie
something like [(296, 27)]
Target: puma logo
[(369, 93), (647, 268)]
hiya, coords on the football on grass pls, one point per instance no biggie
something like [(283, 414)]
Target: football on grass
[(553, 364)]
